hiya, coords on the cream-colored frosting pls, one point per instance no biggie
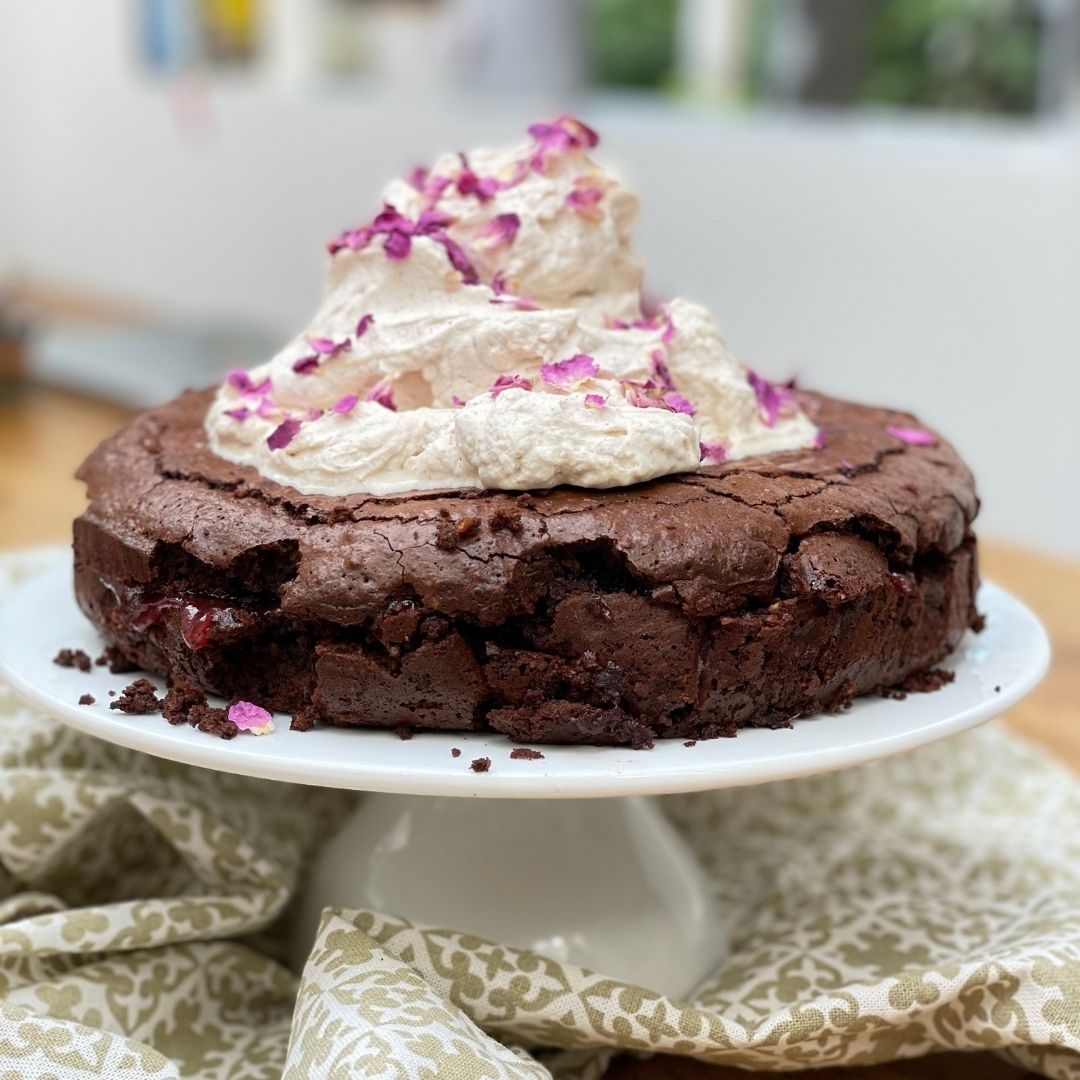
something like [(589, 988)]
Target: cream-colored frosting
[(566, 283)]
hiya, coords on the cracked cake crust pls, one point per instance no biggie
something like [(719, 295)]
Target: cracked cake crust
[(747, 593)]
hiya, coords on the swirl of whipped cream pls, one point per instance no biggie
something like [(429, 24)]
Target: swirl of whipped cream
[(485, 330)]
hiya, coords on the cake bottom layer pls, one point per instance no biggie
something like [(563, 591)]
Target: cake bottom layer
[(596, 667)]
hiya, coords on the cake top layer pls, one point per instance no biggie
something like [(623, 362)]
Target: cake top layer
[(486, 330)]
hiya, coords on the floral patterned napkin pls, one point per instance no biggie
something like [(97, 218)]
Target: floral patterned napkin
[(926, 902)]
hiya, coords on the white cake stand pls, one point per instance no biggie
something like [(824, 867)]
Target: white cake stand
[(601, 882)]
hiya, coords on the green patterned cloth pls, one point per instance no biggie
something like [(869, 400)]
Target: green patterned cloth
[(930, 901)]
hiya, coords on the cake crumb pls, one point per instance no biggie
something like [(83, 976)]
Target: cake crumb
[(303, 720), (480, 764), (213, 721), (138, 699), (506, 519), (181, 697), (523, 753), (690, 742), (997, 689), (117, 662), (87, 699), (72, 658), (112, 693), (404, 732), (455, 751)]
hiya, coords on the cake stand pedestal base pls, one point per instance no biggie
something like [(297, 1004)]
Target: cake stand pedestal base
[(606, 884)]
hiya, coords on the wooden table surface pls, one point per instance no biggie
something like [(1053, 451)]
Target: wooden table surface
[(45, 433)]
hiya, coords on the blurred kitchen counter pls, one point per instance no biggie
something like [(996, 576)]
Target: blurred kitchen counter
[(45, 433)]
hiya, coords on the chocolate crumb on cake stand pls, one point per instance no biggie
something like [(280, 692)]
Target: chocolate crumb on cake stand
[(602, 882)]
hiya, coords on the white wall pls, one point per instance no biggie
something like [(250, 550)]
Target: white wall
[(909, 264)]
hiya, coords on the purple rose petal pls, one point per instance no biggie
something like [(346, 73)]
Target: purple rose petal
[(770, 397), (509, 382), (499, 232), (458, 259), (251, 718), (595, 401), (819, 439), (713, 451), (569, 372), (382, 393), (458, 403), (363, 324), (315, 414), (468, 183), (283, 434), (242, 413), (328, 347), (345, 404), (912, 436)]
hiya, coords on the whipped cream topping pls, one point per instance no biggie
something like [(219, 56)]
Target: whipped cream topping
[(486, 330)]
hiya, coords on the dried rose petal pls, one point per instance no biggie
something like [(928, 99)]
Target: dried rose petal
[(251, 718), (570, 372), (397, 245), (668, 336), (518, 303), (242, 413), (353, 239), (586, 202), (559, 137), (677, 403), (240, 380), (713, 451), (430, 220), (499, 232), (458, 259), (345, 404), (417, 177), (912, 436), (265, 408), (315, 414), (458, 403), (327, 346), (306, 365), (283, 434), (771, 398), (819, 439), (382, 393), (509, 382), (468, 183), (595, 401), (363, 324), (661, 370)]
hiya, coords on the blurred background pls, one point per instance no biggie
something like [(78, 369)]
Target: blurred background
[(881, 197)]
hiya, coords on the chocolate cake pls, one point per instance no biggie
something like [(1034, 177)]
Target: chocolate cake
[(749, 592)]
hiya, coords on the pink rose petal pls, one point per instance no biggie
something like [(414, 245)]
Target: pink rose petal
[(382, 393), (499, 232), (458, 403), (242, 413), (559, 137), (468, 183), (397, 245), (345, 404), (363, 324), (283, 434), (713, 451), (315, 414), (586, 202), (240, 380), (771, 398), (509, 382), (661, 370), (327, 346), (352, 239), (819, 439), (595, 401), (912, 436), (569, 372), (677, 403), (251, 718), (306, 365)]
